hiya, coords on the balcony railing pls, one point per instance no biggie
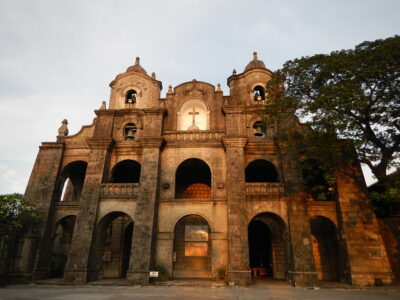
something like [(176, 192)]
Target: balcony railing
[(185, 136), (119, 190), (263, 188)]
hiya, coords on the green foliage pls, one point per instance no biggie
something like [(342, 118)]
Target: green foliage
[(221, 273), (319, 181), (386, 196), (162, 272), (17, 212), (354, 94)]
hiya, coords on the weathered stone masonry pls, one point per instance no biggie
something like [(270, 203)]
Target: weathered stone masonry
[(179, 184)]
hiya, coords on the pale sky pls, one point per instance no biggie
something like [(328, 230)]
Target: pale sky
[(58, 57)]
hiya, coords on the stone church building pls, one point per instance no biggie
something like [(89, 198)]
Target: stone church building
[(196, 185)]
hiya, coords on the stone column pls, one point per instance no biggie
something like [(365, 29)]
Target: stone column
[(238, 248), (301, 266), (368, 263), (41, 191), (144, 239), (76, 270)]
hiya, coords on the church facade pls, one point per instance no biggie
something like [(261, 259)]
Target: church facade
[(195, 185)]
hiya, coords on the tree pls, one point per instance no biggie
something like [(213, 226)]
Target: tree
[(17, 212), (354, 94)]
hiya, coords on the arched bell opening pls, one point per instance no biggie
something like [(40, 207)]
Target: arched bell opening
[(258, 93), (268, 248), (261, 170), (130, 130), (192, 256), (71, 181), (61, 242), (112, 247), (260, 129), (130, 97), (328, 260), (126, 171), (193, 180)]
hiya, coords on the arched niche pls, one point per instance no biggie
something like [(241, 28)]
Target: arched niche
[(193, 180), (261, 170), (193, 115), (126, 171)]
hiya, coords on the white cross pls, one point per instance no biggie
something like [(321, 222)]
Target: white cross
[(193, 113)]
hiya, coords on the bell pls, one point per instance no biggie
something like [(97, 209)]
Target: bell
[(130, 135), (259, 132)]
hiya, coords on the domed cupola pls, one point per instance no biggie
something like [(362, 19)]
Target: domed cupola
[(255, 64), (137, 67)]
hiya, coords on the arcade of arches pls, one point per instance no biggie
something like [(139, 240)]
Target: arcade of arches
[(211, 190)]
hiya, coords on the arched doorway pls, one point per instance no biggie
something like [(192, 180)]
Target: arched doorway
[(126, 171), (193, 180), (192, 248), (327, 258), (268, 246), (62, 237), (112, 246)]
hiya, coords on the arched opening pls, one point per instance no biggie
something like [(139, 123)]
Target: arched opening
[(130, 97), (268, 246), (62, 237), (259, 129), (328, 262), (261, 170), (193, 180), (126, 171), (130, 131), (192, 248), (112, 247), (258, 93), (71, 181), (193, 116), (319, 182)]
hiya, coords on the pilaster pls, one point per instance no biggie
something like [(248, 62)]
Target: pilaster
[(76, 270), (41, 191), (238, 248), (301, 266), (144, 237)]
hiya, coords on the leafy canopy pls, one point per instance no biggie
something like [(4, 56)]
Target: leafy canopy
[(17, 212), (353, 93)]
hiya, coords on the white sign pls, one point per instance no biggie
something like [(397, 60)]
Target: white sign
[(153, 273)]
